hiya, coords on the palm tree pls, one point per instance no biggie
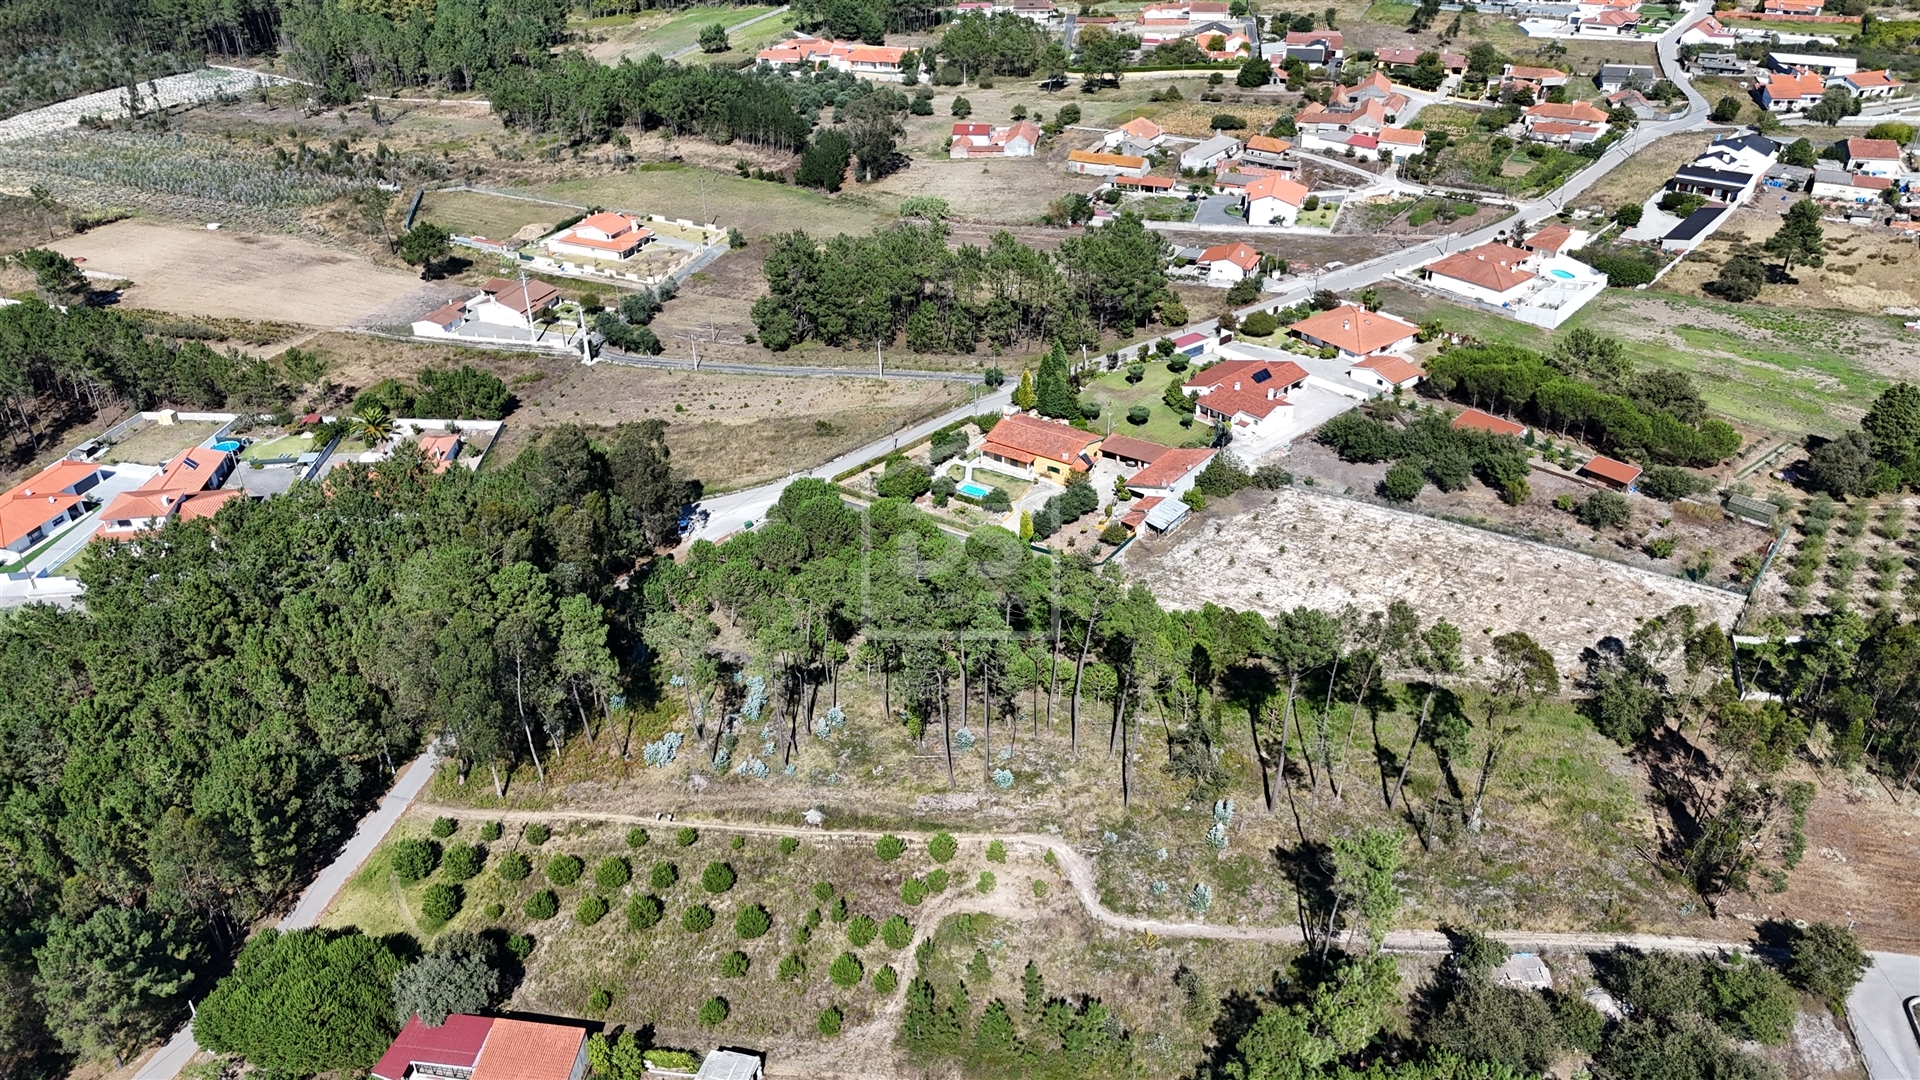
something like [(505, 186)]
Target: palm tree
[(374, 424)]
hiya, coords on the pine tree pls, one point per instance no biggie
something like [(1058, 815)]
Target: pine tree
[(1023, 394), (1033, 987), (1053, 395)]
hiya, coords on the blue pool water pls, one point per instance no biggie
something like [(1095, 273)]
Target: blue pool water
[(1563, 274), (974, 491), (229, 446)]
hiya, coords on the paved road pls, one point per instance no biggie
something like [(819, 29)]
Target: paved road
[(166, 1063), (731, 30), (1877, 1012), (725, 514)]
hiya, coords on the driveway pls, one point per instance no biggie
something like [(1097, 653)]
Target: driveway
[(1212, 210), (1877, 1012)]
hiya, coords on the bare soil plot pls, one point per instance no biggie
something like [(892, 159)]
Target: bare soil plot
[(1305, 548), (1868, 269), (153, 444), (237, 275), (1646, 170), (1012, 190)]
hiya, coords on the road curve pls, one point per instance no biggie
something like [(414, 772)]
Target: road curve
[(1080, 874)]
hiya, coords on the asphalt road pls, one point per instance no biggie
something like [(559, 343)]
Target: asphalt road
[(166, 1063), (1877, 1012)]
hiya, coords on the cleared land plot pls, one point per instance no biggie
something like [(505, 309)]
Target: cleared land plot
[(1792, 372), (473, 213), (1322, 551), (1866, 270), (1013, 190), (237, 275), (755, 207), (667, 31), (154, 444)]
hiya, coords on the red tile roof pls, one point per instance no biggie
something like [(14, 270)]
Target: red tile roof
[(1137, 514), (525, 1050), (1579, 112), (448, 315), (1392, 368), (1254, 387), (1276, 187), (1132, 449), (1866, 80), (1533, 74), (1238, 254), (1156, 183), (1795, 87), (1871, 149), (1266, 144), (1356, 330), (204, 504), (1550, 238), (456, 1042), (1475, 420), (1142, 128), (536, 296), (1170, 467), (1023, 438), (1492, 265), (1608, 469)]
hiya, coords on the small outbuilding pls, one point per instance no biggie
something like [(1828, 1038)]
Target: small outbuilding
[(1615, 474), (1475, 420)]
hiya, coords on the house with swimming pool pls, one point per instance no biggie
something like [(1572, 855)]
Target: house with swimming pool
[(1541, 287), (1033, 448)]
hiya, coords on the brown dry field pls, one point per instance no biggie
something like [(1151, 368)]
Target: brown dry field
[(1859, 865), (1289, 552), (1646, 171), (1868, 269), (237, 275)]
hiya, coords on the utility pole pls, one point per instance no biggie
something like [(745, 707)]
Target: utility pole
[(879, 361)]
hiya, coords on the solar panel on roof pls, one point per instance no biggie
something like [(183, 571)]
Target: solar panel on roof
[(1262, 375)]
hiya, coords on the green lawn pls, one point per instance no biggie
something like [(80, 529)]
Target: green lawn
[(1792, 372), (756, 207), (31, 553), (1318, 219), (684, 29), (1116, 395), (284, 446)]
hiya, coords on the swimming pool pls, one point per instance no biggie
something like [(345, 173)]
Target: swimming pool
[(1564, 275), (231, 446), (973, 491)]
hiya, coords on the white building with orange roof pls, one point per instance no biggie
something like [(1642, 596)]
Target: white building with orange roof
[(608, 234), (876, 63), (984, 140), (1867, 85), (1265, 150), (190, 479), (1228, 264), (36, 508), (1273, 200), (1387, 373), (1249, 396), (1139, 131), (1355, 333), (1792, 92)]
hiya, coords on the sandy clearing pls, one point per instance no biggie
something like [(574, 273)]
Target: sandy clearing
[(1325, 552), (237, 275)]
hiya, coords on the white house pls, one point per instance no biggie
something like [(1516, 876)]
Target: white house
[(509, 303), (1210, 152), (1874, 157), (875, 63), (1491, 273), (1867, 85), (606, 235), (1708, 31), (1386, 372), (1614, 78), (1787, 93), (985, 140), (1272, 199), (1315, 47), (1090, 163), (1139, 131), (1817, 63), (35, 509), (1848, 187), (1226, 264), (1171, 474), (1354, 333), (1247, 395)]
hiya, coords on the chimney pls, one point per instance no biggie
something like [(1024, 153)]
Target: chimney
[(1346, 324)]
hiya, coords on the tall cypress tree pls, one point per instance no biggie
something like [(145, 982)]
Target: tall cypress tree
[(1052, 392)]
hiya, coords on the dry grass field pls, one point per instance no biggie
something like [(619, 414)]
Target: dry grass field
[(1868, 269), (474, 213), (231, 274), (1322, 551), (1646, 171)]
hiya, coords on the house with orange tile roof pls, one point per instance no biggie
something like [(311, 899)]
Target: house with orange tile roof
[(511, 303), (440, 449), (876, 63), (485, 1048), (1171, 474), (1225, 264), (1090, 163), (191, 477), (1386, 372), (1791, 92), (1518, 76), (984, 140), (1874, 157), (1355, 333), (1033, 448), (36, 508), (1272, 200), (1793, 7), (608, 234), (1401, 141), (1475, 420), (1493, 273), (1139, 132), (1575, 121), (1867, 85), (1249, 396), (1265, 150)]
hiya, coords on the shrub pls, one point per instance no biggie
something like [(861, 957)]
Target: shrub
[(591, 909), (1259, 324), (463, 862), (513, 867), (829, 1022), (490, 832), (912, 891), (443, 827), (564, 870), (1826, 962), (734, 965), (542, 905), (697, 919), (687, 836), (838, 910), (937, 881), (986, 883), (861, 931), (717, 878), (535, 833), (846, 970), (1752, 1001), (1229, 122), (413, 860), (601, 1001), (714, 1012), (1661, 547), (789, 845), (495, 910), (644, 912), (637, 837), (897, 932), (791, 968), (440, 903), (1039, 890), (1669, 482), (996, 851), (612, 873), (813, 916), (1404, 480), (520, 945), (943, 847), (885, 980), (663, 876), (751, 922), (889, 847), (1604, 510), (823, 891)]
